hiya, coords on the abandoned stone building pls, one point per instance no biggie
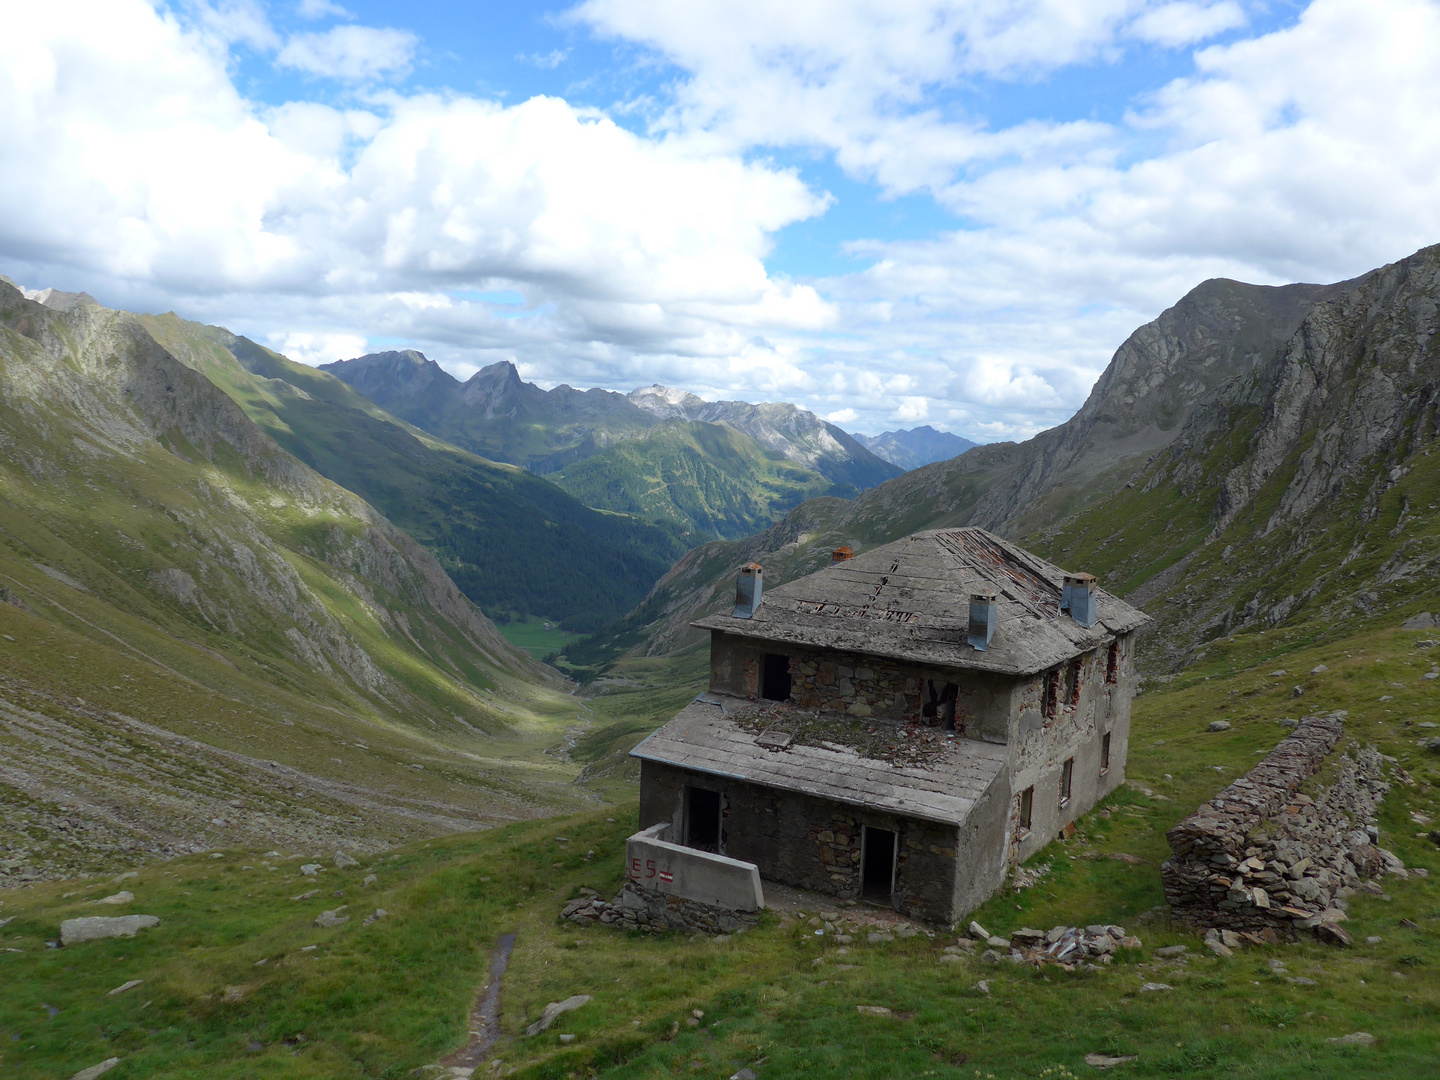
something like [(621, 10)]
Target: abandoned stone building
[(902, 726)]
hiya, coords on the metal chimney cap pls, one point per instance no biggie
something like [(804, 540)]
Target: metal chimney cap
[(751, 568), (842, 553)]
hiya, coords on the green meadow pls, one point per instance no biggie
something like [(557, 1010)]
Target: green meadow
[(239, 982)]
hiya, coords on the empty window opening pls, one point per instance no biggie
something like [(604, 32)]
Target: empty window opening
[(1050, 693), (1112, 662), (1072, 685), (702, 820), (1027, 809), (1105, 754), (775, 679), (1067, 773), (878, 873), (938, 707)]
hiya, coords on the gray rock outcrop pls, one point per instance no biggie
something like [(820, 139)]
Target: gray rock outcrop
[(98, 927)]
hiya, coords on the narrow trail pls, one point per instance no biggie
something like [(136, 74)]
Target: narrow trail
[(485, 1016)]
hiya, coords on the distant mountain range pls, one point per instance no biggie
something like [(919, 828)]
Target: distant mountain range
[(915, 447), (706, 468)]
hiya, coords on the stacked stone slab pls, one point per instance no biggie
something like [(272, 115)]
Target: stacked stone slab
[(1263, 855)]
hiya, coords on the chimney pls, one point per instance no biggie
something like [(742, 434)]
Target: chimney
[(748, 588), (982, 620), (1079, 598), (840, 554)]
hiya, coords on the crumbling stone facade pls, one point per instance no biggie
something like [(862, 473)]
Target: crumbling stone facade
[(1264, 855), (816, 844), (903, 726)]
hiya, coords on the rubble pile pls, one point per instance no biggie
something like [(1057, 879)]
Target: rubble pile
[(1261, 856), (1068, 946)]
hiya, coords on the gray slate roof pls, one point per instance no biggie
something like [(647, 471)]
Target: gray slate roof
[(910, 600), (703, 739)]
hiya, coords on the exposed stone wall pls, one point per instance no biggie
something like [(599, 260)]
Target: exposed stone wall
[(814, 843), (1262, 855), (639, 908)]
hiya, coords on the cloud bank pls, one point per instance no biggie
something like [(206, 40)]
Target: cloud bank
[(364, 213)]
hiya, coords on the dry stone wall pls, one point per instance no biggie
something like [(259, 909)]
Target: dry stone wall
[(1263, 857), (639, 908)]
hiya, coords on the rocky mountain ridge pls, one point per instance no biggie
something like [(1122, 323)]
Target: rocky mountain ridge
[(1243, 419), (498, 415)]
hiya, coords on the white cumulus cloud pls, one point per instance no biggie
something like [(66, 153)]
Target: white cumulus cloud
[(350, 53)]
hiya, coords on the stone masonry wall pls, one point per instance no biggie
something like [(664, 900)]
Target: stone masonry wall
[(1261, 855), (639, 908), (812, 843)]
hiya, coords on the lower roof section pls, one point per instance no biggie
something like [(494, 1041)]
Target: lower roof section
[(732, 737)]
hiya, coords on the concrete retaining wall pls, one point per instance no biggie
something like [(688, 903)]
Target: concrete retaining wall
[(655, 864)]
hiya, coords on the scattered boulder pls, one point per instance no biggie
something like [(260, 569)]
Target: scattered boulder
[(344, 862), (379, 913), (332, 917), (98, 927), (125, 986), (95, 1071), (370, 879), (1106, 1061), (1319, 669), (556, 1009), (310, 869), (1219, 725), (978, 932), (1154, 987), (876, 937), (873, 1010), (1355, 1038), (117, 898), (1423, 621)]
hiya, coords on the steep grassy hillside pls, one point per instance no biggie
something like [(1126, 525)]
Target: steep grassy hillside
[(707, 480), (579, 566), (207, 642), (238, 981)]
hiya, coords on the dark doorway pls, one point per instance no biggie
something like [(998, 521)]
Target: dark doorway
[(878, 874), (939, 704), (702, 820), (775, 679)]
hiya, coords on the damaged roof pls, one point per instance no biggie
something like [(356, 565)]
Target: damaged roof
[(910, 600), (706, 737)]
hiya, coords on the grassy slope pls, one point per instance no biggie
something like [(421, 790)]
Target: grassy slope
[(105, 676), (707, 480), (580, 566), (381, 1000)]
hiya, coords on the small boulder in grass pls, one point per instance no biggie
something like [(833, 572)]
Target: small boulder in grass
[(1355, 1038), (344, 862), (94, 1072), (1219, 725)]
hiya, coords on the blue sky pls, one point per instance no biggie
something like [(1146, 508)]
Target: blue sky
[(920, 211)]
